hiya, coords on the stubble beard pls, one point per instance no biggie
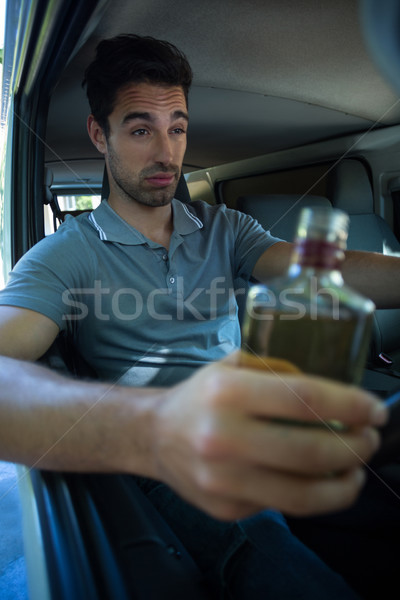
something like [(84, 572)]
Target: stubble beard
[(132, 186)]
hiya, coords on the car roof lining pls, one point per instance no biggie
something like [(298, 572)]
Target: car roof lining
[(267, 75)]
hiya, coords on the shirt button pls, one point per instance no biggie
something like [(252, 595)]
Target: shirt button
[(165, 257), (172, 279)]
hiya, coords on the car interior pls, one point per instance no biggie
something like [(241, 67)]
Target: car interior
[(293, 104)]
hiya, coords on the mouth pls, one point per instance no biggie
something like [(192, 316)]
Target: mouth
[(161, 179)]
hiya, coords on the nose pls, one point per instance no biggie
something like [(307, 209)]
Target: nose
[(163, 149)]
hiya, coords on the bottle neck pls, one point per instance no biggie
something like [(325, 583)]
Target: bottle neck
[(317, 254)]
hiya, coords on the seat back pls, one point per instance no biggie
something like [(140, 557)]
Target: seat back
[(349, 189), (279, 213)]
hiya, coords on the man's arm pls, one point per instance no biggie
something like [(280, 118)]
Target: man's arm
[(24, 333), (211, 438), (374, 275), (56, 422)]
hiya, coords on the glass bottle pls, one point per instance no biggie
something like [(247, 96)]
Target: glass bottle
[(310, 317)]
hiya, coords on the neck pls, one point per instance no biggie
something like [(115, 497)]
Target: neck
[(154, 222)]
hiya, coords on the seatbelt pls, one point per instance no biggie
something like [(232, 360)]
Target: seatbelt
[(51, 199), (55, 209)]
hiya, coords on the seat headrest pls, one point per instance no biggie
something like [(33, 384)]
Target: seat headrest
[(279, 213), (349, 188), (48, 180), (48, 177), (182, 190)]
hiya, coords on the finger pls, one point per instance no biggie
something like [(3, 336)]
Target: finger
[(268, 364), (299, 496), (294, 448), (291, 447), (299, 397), (259, 488)]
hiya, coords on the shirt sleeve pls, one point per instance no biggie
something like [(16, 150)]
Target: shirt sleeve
[(252, 240), (42, 278)]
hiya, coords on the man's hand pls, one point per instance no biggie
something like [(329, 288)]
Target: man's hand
[(223, 444)]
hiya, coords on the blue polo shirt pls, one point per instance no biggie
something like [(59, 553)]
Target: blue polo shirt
[(137, 313)]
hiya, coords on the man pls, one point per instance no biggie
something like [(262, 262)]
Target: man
[(131, 285)]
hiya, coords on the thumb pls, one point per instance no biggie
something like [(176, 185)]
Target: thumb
[(269, 364)]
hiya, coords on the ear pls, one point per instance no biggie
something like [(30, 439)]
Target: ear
[(96, 134)]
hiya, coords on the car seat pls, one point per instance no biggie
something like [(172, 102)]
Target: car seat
[(349, 188), (279, 213)]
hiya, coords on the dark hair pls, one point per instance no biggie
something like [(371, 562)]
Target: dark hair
[(132, 58)]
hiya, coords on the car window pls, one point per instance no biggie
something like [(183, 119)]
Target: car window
[(69, 203)]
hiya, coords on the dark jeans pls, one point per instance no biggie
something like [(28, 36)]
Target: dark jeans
[(363, 542), (253, 558)]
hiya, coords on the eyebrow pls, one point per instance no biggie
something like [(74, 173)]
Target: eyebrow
[(146, 116)]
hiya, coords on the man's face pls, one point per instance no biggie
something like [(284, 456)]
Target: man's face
[(147, 142)]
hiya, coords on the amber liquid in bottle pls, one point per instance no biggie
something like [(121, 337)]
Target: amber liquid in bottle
[(311, 317)]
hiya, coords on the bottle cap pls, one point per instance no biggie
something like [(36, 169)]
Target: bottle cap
[(323, 223)]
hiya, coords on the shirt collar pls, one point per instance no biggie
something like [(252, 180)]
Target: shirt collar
[(112, 228), (185, 221)]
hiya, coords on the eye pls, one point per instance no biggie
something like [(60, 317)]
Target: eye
[(140, 132), (178, 131)]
